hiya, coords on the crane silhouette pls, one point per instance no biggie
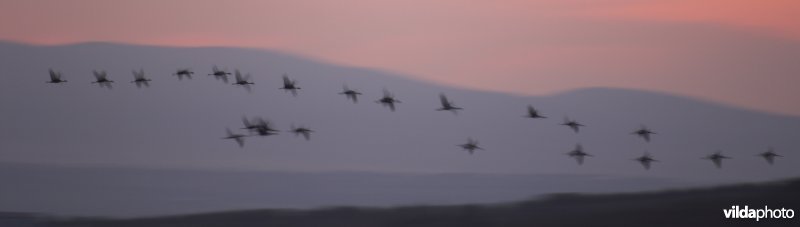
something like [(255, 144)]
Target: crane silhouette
[(139, 79), (645, 160), (350, 93), (574, 125), (305, 132), (242, 80), (471, 146), (447, 105), (533, 113), (289, 85), (717, 158), (643, 132), (769, 156), (219, 74), (578, 154), (264, 127), (183, 73), (101, 79), (388, 100), (239, 138), (55, 77)]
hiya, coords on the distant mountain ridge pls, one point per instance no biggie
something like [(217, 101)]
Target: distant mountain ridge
[(161, 125)]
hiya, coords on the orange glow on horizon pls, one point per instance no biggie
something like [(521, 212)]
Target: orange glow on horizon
[(514, 46), (778, 16)]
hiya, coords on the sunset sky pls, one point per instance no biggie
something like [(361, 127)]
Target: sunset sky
[(738, 52)]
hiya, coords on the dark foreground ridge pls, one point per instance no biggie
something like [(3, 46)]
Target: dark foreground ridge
[(695, 207)]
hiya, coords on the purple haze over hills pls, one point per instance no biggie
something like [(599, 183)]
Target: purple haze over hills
[(80, 131)]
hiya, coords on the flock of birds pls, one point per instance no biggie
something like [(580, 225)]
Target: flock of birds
[(261, 127)]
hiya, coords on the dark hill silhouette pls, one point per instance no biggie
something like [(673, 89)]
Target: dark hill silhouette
[(695, 207)]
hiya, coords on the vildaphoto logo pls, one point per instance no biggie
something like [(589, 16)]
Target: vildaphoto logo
[(746, 212)]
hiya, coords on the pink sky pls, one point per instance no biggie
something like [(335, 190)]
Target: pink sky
[(738, 52)]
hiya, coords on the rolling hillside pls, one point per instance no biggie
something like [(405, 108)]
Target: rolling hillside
[(696, 207)]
